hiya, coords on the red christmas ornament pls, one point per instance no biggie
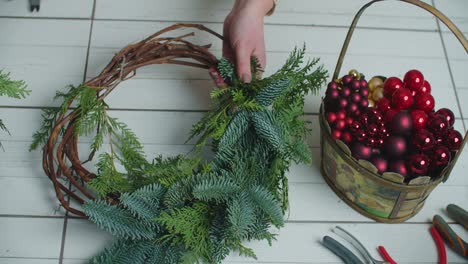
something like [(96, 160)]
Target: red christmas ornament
[(345, 92), (364, 103), (339, 124), (336, 134), (419, 118), (346, 137), (447, 114), (331, 117), (355, 85), (440, 156), (364, 85), (361, 151), (389, 115), (402, 99), (349, 121), (355, 98), (424, 101), (347, 79), (423, 140), (383, 105), (438, 124), (391, 85), (425, 88), (342, 103), (413, 80), (401, 123), (375, 142), (418, 164), (332, 86), (453, 140), (352, 108), (380, 163), (395, 146), (398, 166), (341, 114)]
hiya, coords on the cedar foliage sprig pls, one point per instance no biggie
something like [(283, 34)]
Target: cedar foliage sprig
[(187, 209), (13, 89)]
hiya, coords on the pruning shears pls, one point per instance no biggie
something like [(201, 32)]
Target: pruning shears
[(349, 257), (448, 235)]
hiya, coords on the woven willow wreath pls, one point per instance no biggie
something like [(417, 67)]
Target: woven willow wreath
[(183, 209)]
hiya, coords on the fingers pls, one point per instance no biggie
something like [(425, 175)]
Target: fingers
[(242, 54)]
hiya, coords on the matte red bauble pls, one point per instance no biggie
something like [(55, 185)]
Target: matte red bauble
[(413, 80), (345, 92), (401, 123), (355, 98), (349, 121), (364, 85), (341, 114), (419, 118), (391, 85), (402, 99), (418, 164), (336, 134), (448, 115), (453, 140), (352, 108), (383, 105), (437, 125), (355, 85), (342, 103), (331, 117), (423, 140), (347, 79), (361, 151), (380, 163), (440, 156), (364, 103), (332, 86), (339, 124), (346, 137), (395, 146), (398, 166), (424, 101)]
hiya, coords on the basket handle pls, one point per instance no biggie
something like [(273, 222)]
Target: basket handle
[(458, 34)]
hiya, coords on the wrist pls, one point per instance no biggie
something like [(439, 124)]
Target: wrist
[(260, 7)]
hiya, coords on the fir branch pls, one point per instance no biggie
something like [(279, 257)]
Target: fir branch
[(214, 187), (267, 128), (227, 70), (241, 216), (268, 94), (267, 202), (145, 202), (126, 251), (11, 88), (117, 221)]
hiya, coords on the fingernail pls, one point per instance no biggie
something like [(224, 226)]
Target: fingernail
[(246, 78)]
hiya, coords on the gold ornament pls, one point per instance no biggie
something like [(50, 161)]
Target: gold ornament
[(377, 94), (371, 103), (374, 83), (355, 74)]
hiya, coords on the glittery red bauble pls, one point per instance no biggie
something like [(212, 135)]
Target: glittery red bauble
[(395, 146), (391, 85), (422, 140), (398, 166), (383, 105), (440, 156), (380, 163), (437, 125), (424, 101), (402, 99), (361, 151), (453, 140), (419, 118), (425, 88), (447, 114), (413, 80), (360, 135), (418, 164), (401, 123), (375, 141)]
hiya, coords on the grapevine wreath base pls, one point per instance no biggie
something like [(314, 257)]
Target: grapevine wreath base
[(183, 209)]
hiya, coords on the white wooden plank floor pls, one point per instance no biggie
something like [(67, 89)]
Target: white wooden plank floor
[(69, 41)]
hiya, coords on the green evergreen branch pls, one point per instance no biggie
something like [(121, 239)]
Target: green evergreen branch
[(11, 88)]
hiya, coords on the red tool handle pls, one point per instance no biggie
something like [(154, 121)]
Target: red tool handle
[(440, 245), (383, 252)]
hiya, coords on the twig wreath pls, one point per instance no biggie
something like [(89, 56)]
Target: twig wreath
[(183, 209)]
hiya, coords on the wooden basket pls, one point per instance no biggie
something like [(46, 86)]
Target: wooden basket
[(384, 198)]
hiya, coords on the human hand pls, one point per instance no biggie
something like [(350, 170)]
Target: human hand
[(244, 35)]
